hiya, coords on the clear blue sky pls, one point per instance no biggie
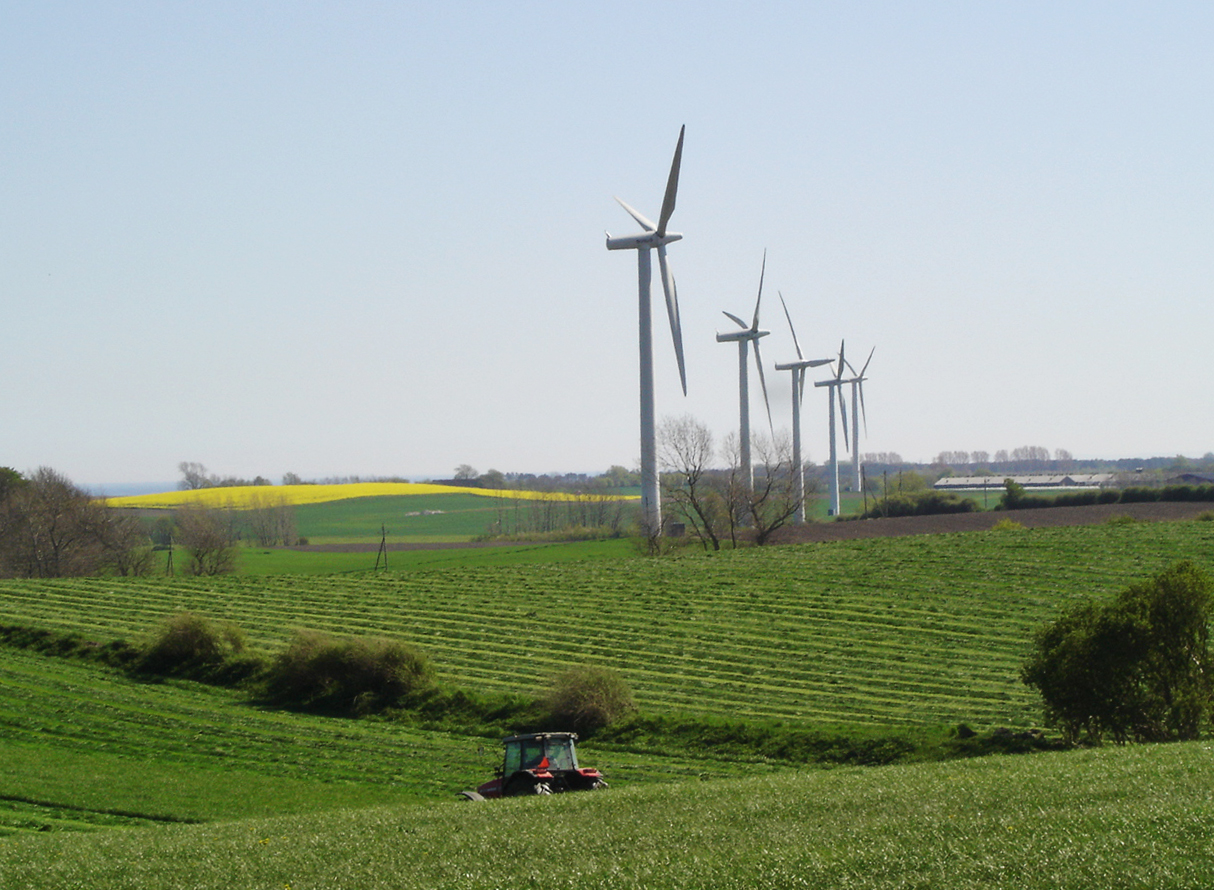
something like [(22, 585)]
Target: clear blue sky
[(336, 238)]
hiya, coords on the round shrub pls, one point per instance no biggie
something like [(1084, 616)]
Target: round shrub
[(187, 643), (360, 674), (588, 698)]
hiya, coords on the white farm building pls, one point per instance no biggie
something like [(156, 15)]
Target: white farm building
[(1035, 481)]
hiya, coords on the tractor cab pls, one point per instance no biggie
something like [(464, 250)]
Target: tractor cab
[(540, 763)]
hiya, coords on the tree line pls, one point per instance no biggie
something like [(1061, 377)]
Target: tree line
[(52, 528)]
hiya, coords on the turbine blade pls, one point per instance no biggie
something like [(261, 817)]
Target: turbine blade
[(843, 414), (842, 362), (799, 383), (672, 313), (869, 359), (739, 321), (791, 328), (863, 410), (672, 185), (636, 214), (763, 385), (754, 326)]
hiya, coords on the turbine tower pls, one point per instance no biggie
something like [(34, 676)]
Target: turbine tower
[(654, 236), (835, 390), (749, 334), (857, 409), (798, 393)]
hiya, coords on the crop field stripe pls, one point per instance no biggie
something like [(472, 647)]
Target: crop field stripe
[(923, 629)]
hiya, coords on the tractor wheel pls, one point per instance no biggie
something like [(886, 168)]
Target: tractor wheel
[(525, 786)]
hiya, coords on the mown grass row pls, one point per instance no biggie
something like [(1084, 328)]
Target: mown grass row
[(908, 630), (84, 745), (1127, 818)]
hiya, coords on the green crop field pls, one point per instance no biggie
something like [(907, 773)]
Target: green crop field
[(921, 630), (916, 631), (404, 517), (252, 560), (1126, 818), (85, 746)]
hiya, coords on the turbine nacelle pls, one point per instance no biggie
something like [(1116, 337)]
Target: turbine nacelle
[(736, 336), (802, 364), (643, 241)]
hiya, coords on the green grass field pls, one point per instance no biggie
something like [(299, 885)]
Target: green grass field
[(406, 518), (83, 745), (918, 631), (1126, 818)]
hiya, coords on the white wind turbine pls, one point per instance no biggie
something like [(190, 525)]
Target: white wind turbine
[(654, 236), (857, 409), (798, 369), (835, 385), (749, 334)]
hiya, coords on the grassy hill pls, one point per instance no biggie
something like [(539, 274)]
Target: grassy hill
[(911, 632), (921, 630), (1132, 818), (408, 511)]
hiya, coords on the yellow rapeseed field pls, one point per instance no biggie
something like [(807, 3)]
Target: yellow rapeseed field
[(246, 497)]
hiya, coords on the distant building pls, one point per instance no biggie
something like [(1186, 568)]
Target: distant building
[(1036, 481), (1190, 479)]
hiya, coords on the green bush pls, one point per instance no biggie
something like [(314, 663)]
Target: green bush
[(189, 644), (1140, 495), (1187, 493), (586, 699), (1135, 668), (357, 675), (922, 503), (1083, 498)]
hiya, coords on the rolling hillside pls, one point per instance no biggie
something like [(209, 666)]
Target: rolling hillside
[(927, 629)]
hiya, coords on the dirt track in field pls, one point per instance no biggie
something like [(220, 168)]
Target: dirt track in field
[(878, 528), (970, 522)]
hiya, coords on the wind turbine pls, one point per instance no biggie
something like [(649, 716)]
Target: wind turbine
[(857, 408), (798, 369), (749, 334), (654, 236), (835, 385)]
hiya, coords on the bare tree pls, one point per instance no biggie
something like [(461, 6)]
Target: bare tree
[(208, 538), (193, 476), (952, 458), (774, 496), (685, 448), (1031, 454), (271, 521), (732, 488)]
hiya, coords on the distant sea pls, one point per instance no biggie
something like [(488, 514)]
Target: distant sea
[(126, 489)]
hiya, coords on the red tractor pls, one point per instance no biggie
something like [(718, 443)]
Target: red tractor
[(538, 763)]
